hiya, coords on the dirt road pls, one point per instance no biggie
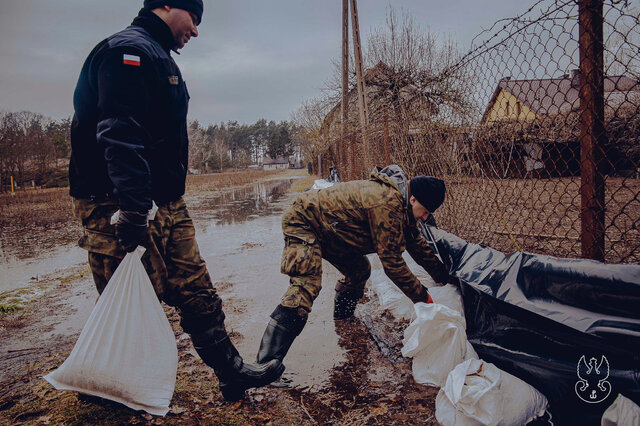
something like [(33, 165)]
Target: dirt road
[(346, 372)]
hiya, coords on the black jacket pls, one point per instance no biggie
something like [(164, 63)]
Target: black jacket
[(129, 131)]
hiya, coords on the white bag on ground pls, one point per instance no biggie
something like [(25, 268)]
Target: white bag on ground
[(623, 412), (479, 393), (391, 297), (437, 341), (449, 296), (322, 184), (126, 351)]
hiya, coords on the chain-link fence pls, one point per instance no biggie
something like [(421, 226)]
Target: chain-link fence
[(535, 130)]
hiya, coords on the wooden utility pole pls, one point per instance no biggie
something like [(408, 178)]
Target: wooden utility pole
[(592, 131), (385, 135), (343, 153), (362, 102)]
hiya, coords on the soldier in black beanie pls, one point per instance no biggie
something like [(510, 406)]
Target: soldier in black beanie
[(342, 224), (429, 192), (129, 149)]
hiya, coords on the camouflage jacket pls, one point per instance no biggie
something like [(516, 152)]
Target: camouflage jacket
[(371, 216)]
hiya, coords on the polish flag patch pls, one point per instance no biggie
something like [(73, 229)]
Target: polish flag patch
[(131, 60)]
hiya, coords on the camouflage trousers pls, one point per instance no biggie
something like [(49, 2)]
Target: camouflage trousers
[(302, 261), (172, 259)]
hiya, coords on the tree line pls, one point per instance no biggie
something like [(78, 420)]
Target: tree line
[(232, 144), (35, 149)]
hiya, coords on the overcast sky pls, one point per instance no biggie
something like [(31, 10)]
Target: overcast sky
[(253, 59)]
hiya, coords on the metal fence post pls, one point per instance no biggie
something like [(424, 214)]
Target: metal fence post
[(592, 130)]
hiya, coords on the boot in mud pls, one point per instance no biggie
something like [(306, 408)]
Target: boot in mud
[(346, 300), (285, 325), (234, 375)]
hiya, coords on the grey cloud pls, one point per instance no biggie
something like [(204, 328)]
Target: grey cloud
[(253, 58)]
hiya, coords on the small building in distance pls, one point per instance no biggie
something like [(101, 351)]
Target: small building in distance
[(275, 163)]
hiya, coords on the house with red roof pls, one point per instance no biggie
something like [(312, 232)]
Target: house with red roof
[(532, 127)]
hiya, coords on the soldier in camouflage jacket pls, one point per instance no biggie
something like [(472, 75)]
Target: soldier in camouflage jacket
[(343, 224)]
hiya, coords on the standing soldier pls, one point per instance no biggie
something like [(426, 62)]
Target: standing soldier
[(129, 148), (342, 224)]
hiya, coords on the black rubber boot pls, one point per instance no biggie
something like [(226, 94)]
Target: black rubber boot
[(285, 325), (234, 375), (347, 298)]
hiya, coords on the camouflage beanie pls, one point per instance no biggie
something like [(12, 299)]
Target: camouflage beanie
[(428, 190), (194, 6)]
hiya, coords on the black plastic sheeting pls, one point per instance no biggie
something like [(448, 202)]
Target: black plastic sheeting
[(536, 316)]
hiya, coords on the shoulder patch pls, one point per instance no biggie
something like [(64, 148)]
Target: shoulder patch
[(131, 60)]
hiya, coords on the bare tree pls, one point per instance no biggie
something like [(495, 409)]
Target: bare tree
[(30, 145), (308, 132), (415, 90), (622, 41)]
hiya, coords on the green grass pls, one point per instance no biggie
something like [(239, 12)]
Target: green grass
[(7, 309)]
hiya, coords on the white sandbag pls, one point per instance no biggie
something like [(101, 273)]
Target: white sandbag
[(623, 412), (479, 393), (321, 184), (449, 296), (437, 341), (391, 297), (522, 402), (126, 351), (421, 274)]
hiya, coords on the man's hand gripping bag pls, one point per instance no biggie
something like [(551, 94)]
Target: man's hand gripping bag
[(127, 350)]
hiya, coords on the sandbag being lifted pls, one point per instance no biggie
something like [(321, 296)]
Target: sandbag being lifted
[(126, 351), (437, 342)]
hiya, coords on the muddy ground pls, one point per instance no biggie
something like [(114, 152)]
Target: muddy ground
[(338, 372)]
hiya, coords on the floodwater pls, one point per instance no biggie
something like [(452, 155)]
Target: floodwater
[(17, 270), (240, 237)]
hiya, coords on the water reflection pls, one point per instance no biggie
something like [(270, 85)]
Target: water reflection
[(240, 205), (17, 242), (38, 251)]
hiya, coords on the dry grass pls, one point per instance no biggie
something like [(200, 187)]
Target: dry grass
[(535, 215), (44, 207), (541, 215), (304, 183)]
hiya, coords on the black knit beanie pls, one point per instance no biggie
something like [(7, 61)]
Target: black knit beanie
[(428, 190), (194, 6)]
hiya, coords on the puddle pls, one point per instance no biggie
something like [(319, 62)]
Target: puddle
[(348, 371), (17, 273), (239, 205), (38, 252)]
